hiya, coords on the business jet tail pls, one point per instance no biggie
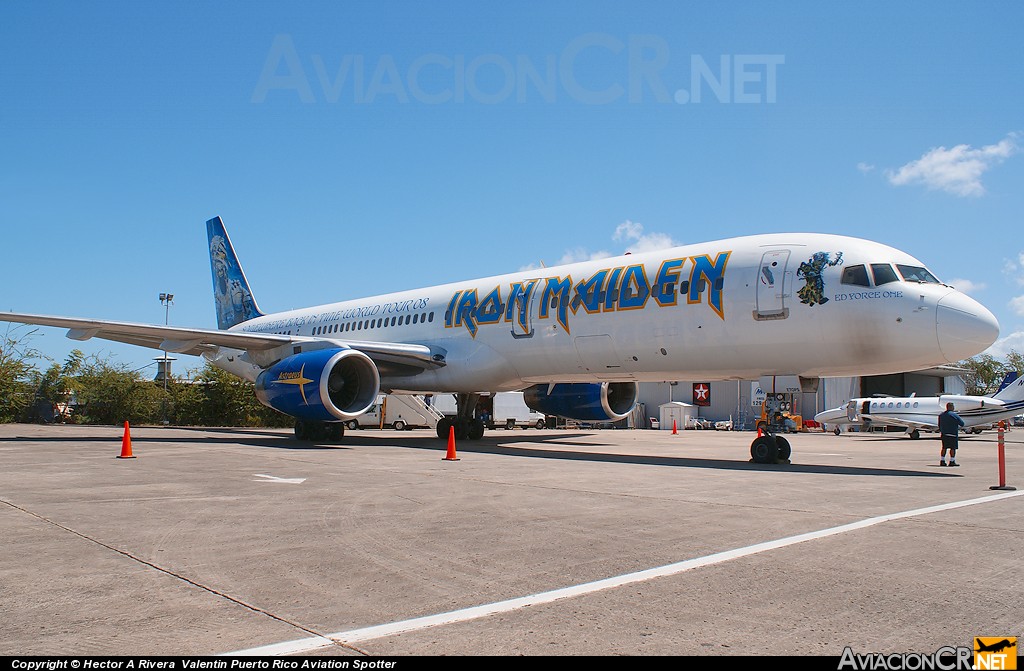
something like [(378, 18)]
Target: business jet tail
[(1012, 388), (235, 303)]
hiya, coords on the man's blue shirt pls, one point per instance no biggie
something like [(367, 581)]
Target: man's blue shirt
[(950, 423)]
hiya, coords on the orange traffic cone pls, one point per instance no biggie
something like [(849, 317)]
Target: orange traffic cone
[(674, 431), (126, 444), (451, 445)]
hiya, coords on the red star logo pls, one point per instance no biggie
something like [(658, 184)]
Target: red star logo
[(701, 391)]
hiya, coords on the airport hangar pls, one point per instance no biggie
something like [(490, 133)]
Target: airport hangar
[(740, 400)]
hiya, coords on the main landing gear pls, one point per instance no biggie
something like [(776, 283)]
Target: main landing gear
[(466, 426), (316, 432)]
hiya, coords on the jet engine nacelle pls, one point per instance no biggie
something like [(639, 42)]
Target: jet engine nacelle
[(325, 385), (601, 402), (962, 403)]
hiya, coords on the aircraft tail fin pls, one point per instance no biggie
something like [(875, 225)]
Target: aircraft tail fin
[(231, 292), (1012, 388)]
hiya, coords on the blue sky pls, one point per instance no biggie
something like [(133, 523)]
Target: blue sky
[(358, 148)]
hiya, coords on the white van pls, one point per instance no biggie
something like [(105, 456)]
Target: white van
[(398, 412)]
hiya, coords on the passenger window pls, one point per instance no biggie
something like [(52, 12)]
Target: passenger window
[(856, 275), (430, 318), (883, 274)]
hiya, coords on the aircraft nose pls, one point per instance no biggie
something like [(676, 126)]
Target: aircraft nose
[(964, 326)]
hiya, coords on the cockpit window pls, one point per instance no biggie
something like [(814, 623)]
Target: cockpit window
[(857, 275), (884, 274), (917, 274)]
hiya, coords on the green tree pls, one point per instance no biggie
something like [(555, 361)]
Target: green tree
[(1015, 361), (985, 372), (187, 401), (17, 370), (57, 385), (110, 393), (231, 401)]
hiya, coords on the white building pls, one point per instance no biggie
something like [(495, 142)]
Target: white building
[(740, 400)]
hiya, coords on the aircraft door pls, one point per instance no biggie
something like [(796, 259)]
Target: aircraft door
[(523, 311), (773, 283)]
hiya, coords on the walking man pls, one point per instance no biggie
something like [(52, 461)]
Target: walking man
[(949, 427)]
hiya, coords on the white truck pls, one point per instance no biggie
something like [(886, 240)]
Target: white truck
[(503, 410), (397, 411), (509, 411)]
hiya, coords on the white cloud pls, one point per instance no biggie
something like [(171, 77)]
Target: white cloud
[(628, 232), (633, 233), (571, 256), (1002, 347), (865, 167), (967, 286), (958, 170), (1015, 269), (1017, 304)]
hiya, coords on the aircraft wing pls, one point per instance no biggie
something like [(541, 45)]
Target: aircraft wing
[(199, 341)]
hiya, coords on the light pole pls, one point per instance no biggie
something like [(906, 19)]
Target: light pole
[(167, 300)]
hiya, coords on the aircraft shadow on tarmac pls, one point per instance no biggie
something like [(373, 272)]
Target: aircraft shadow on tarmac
[(496, 445)]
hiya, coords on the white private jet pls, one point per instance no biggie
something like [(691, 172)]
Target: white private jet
[(578, 338), (921, 413)]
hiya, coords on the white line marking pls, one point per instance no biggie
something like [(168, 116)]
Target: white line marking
[(475, 612), (271, 478)]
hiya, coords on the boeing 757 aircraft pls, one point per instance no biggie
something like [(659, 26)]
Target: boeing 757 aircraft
[(921, 413), (578, 338)]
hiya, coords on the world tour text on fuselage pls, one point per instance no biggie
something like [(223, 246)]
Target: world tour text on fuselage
[(607, 290)]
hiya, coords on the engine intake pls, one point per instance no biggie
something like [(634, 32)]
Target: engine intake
[(595, 402), (326, 385)]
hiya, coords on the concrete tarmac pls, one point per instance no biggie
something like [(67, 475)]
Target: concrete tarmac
[(218, 541)]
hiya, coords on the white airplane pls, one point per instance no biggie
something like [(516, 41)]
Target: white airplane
[(578, 338), (921, 413)]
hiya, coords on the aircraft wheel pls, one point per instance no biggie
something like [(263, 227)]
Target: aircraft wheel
[(399, 425), (336, 431), (915, 434), (443, 427), (784, 449), (475, 430), (836, 431), (764, 450)]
